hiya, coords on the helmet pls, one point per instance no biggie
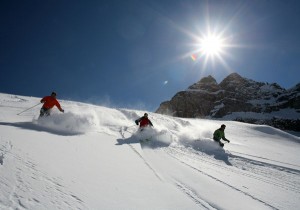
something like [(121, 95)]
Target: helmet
[(145, 115), (53, 93), (223, 126)]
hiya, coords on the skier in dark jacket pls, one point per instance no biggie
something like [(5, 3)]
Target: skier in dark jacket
[(143, 121), (48, 103), (219, 134)]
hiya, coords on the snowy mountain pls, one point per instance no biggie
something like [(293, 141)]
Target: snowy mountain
[(90, 157), (240, 99)]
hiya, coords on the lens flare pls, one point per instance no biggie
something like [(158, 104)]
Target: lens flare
[(194, 57)]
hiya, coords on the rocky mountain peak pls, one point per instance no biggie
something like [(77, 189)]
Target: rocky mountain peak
[(238, 98), (296, 88), (208, 80), (233, 81), (206, 83)]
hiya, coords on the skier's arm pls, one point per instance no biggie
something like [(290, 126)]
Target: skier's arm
[(43, 100), (137, 121), (224, 138), (58, 106), (150, 123)]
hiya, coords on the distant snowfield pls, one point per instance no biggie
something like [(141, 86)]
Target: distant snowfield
[(90, 157)]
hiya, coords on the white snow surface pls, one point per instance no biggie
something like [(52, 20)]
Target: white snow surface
[(91, 157)]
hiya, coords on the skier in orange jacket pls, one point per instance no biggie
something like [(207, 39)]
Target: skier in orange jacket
[(49, 103)]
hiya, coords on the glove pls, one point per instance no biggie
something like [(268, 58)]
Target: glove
[(136, 122), (228, 141), (62, 111)]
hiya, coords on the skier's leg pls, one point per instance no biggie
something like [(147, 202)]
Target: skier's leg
[(47, 112), (217, 140), (44, 112)]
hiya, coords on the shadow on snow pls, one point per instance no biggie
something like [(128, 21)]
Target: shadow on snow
[(37, 127), (208, 147)]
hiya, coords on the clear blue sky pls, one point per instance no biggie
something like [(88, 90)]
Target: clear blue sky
[(135, 53)]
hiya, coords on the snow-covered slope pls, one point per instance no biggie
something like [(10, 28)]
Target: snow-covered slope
[(90, 157)]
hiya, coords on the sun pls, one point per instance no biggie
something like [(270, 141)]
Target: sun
[(211, 45), (210, 48)]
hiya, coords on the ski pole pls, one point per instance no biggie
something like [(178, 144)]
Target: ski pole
[(28, 109)]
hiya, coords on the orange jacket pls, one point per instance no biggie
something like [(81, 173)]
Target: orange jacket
[(50, 102)]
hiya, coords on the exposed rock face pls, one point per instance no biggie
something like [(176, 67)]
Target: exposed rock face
[(238, 98)]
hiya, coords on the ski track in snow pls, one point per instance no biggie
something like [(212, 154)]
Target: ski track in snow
[(145, 161), (283, 178), (183, 188), (4, 149), (25, 176), (264, 159), (193, 195), (216, 179), (121, 131), (186, 157)]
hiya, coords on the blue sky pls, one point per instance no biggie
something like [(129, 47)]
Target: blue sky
[(136, 53)]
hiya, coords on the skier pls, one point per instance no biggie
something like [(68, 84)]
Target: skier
[(49, 103), (144, 122), (219, 134)]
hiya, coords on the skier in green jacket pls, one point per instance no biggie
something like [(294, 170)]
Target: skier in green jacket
[(219, 134)]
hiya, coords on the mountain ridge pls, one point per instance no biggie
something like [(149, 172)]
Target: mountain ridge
[(240, 99)]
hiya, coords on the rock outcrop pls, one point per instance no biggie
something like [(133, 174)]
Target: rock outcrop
[(238, 98)]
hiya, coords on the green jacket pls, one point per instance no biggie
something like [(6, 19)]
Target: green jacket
[(219, 134)]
